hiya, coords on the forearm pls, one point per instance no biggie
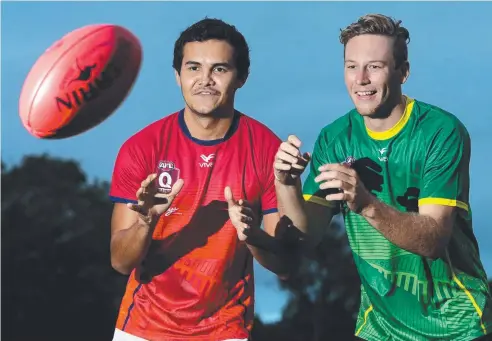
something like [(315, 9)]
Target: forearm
[(277, 263), (272, 253), (291, 204), (129, 246), (413, 232)]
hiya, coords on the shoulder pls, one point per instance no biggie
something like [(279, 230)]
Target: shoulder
[(259, 131), (336, 130), (438, 123), (150, 134)]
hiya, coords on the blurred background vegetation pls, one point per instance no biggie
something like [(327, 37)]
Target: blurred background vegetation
[(58, 284)]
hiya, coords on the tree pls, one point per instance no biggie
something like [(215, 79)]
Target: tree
[(57, 279), (57, 282), (324, 298), (325, 295)]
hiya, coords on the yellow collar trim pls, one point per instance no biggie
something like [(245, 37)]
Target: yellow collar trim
[(384, 135)]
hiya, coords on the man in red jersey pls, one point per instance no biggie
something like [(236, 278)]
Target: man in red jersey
[(190, 192)]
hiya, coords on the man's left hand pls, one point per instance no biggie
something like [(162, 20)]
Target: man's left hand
[(241, 214), (344, 178)]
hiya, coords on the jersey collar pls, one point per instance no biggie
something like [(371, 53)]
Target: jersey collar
[(230, 132), (393, 131)]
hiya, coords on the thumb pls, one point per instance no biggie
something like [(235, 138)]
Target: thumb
[(229, 196), (307, 156), (178, 185)]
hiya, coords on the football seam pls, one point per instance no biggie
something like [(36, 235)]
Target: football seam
[(53, 66)]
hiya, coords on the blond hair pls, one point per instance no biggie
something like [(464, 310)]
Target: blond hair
[(380, 25)]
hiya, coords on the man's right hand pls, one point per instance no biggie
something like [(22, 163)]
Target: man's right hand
[(289, 162), (151, 204)]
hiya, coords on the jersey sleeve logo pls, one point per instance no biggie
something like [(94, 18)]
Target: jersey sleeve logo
[(167, 175)]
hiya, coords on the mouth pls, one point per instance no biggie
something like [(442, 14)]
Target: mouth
[(207, 93), (364, 95)]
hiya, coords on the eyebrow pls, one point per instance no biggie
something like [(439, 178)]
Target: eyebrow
[(224, 64), (371, 61)]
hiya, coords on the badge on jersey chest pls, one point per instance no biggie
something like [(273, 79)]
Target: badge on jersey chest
[(167, 175), (349, 161)]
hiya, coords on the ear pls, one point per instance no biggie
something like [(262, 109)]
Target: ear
[(405, 72), (240, 82), (178, 78)]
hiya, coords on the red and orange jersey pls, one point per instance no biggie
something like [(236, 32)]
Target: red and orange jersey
[(196, 282)]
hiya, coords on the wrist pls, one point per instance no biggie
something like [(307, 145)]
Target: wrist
[(369, 211), (149, 220), (288, 182)]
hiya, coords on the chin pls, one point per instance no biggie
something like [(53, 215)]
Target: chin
[(367, 108), (203, 110), (364, 111)]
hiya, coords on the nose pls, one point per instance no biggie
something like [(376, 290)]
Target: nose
[(206, 78), (362, 77)]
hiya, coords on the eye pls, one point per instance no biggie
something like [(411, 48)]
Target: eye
[(193, 68), (350, 66), (220, 69), (374, 67)]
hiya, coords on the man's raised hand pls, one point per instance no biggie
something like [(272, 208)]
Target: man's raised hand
[(241, 214), (289, 162), (151, 204)]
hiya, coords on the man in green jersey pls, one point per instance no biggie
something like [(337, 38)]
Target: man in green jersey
[(398, 170)]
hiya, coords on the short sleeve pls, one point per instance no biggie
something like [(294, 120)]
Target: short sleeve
[(128, 173), (446, 176), (319, 157), (269, 195)]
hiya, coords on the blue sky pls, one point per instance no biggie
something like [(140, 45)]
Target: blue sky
[(296, 83)]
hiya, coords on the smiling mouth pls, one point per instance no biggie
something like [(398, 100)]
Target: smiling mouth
[(365, 94), (207, 93)]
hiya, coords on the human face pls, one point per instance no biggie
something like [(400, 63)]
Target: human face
[(208, 77), (373, 82)]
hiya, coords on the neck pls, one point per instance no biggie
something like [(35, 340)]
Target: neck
[(387, 117), (208, 127)]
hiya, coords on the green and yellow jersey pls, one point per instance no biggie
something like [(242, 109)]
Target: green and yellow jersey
[(423, 159)]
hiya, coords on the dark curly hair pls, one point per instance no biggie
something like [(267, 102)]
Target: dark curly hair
[(208, 29)]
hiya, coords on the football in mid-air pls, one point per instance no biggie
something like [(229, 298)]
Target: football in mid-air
[(79, 81)]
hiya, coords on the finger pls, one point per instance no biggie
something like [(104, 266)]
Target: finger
[(337, 167), (307, 156), (229, 197), (161, 199), (343, 196), (295, 141), (300, 164), (246, 219), (137, 208), (289, 149), (178, 185), (333, 175), (140, 194), (281, 166), (336, 184), (241, 226), (286, 157), (247, 211), (245, 203), (148, 180)]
